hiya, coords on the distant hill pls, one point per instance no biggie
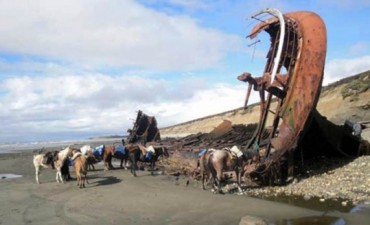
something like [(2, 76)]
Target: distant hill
[(347, 99), (108, 137)]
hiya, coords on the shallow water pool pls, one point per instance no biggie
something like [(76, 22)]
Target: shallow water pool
[(9, 176)]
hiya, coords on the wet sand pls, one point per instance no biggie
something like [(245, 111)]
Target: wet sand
[(115, 197)]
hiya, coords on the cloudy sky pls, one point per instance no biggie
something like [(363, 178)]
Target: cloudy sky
[(74, 69)]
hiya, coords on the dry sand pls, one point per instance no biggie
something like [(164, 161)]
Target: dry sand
[(115, 197)]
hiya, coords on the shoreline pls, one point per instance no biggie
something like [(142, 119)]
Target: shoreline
[(54, 145), (115, 197), (300, 194), (300, 191)]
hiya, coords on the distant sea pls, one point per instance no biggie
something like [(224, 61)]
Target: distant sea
[(54, 145)]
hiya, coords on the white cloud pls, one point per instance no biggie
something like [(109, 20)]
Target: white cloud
[(100, 103), (337, 69), (194, 4), (115, 33)]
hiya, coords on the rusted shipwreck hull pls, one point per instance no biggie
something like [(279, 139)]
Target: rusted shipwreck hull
[(293, 77), (144, 129)]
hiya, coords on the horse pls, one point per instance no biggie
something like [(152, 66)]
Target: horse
[(43, 160), (137, 153), (225, 160), (202, 164), (121, 154), (59, 160), (107, 156), (80, 166)]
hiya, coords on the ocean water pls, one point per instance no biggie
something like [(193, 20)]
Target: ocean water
[(53, 145)]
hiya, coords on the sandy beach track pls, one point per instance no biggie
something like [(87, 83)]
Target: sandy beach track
[(115, 197)]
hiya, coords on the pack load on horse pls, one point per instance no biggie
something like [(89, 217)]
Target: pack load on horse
[(98, 151), (149, 152), (138, 152), (122, 154)]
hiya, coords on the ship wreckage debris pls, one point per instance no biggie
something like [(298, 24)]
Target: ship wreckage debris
[(144, 130), (290, 129)]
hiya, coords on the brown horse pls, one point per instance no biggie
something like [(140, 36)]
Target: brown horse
[(225, 160), (107, 156), (80, 166), (136, 153)]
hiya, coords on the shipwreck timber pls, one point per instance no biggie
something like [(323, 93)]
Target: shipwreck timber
[(293, 77), (144, 129)]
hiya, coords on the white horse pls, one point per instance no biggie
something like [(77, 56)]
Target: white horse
[(60, 158)]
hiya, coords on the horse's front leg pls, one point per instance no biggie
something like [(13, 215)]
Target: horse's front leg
[(203, 179), (110, 163), (133, 166), (37, 175), (218, 180), (152, 167), (59, 177), (121, 163), (125, 166)]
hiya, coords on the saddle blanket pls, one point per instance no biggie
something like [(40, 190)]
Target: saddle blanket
[(120, 150), (71, 162), (202, 152), (99, 150), (148, 155)]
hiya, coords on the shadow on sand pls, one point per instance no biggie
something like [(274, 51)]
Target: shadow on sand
[(107, 181)]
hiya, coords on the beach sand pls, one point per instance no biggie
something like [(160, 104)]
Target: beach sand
[(115, 197)]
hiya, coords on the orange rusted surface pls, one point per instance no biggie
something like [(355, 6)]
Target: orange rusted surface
[(306, 78), (296, 85)]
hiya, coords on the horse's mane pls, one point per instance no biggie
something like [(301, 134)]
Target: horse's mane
[(62, 155)]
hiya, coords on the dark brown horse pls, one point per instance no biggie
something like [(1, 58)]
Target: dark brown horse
[(224, 160), (137, 153), (122, 154)]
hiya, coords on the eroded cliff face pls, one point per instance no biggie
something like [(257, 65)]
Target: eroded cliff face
[(348, 99)]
